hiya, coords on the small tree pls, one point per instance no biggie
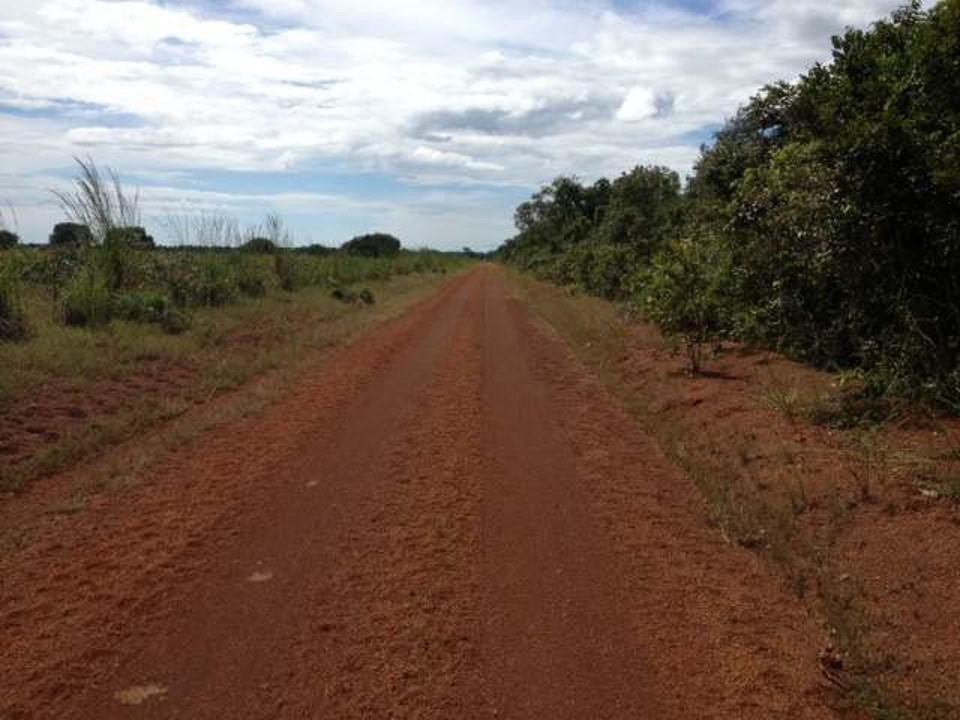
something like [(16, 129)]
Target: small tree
[(8, 239), (685, 292), (373, 245), (68, 234), (135, 237), (259, 245)]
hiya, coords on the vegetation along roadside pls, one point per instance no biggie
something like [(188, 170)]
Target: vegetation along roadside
[(103, 333)]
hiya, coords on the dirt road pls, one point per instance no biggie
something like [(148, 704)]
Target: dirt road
[(448, 519)]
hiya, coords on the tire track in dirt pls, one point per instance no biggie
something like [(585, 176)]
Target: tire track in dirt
[(448, 519)]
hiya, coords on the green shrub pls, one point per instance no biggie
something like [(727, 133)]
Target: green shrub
[(253, 277), (685, 291), (86, 298), (343, 295), (372, 245), (8, 240), (13, 319), (133, 236), (120, 258), (366, 296), (290, 271), (68, 233), (142, 307), (175, 321), (259, 245)]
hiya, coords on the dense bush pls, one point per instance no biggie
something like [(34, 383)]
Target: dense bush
[(69, 233), (261, 245), (86, 298), (8, 239), (135, 237), (686, 291), (831, 205), (13, 319), (372, 245)]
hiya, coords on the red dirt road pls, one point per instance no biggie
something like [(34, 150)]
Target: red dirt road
[(447, 519)]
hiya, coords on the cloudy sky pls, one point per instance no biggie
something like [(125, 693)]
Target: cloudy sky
[(431, 119)]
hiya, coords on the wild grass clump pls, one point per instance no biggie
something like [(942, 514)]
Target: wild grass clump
[(98, 201)]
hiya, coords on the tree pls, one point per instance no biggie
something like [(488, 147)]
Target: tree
[(135, 237), (643, 209), (8, 239), (260, 245), (685, 293), (71, 234), (372, 245)]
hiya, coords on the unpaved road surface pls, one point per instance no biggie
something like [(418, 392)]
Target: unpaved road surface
[(447, 519)]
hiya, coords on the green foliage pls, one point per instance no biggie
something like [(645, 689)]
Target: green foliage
[(253, 276), (833, 202), (143, 307), (261, 245), (372, 245), (8, 239), (151, 307), (86, 298), (596, 267), (69, 233), (685, 291), (13, 320), (644, 210), (291, 271), (135, 237), (120, 256)]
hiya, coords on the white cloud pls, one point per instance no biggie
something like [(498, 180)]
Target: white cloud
[(462, 93)]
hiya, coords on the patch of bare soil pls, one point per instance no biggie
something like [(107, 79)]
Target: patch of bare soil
[(55, 411)]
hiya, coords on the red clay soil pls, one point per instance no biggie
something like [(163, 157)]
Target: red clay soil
[(853, 514), (52, 412), (447, 519)]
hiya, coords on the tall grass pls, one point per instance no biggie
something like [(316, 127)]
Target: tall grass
[(99, 200)]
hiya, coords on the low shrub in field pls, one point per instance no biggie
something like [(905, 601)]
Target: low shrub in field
[(86, 298), (291, 271), (8, 239), (201, 279), (13, 320), (260, 245), (344, 295), (120, 259), (154, 308), (143, 307), (254, 279), (175, 321)]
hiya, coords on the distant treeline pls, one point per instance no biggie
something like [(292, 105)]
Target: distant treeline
[(822, 221)]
